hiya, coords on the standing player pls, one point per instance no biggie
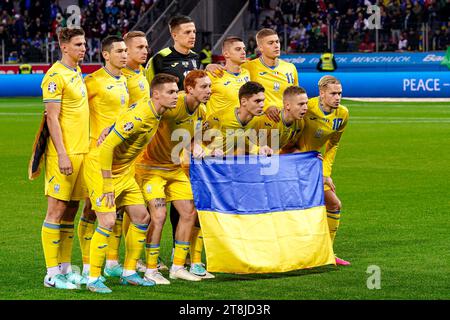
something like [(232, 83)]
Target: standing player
[(288, 130), (67, 115), (179, 59), (272, 72), (163, 180), (108, 97), (325, 123), (111, 181), (137, 46), (225, 89)]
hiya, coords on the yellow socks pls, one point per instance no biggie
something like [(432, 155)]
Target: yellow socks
[(333, 218), (85, 232), (114, 241), (196, 245), (125, 224), (134, 243), (65, 246), (180, 253), (152, 254), (99, 245), (50, 235)]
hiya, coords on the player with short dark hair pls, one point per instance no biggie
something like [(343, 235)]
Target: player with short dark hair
[(67, 117), (108, 97), (225, 89), (112, 183)]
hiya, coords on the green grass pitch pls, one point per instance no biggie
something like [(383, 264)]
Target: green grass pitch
[(391, 172)]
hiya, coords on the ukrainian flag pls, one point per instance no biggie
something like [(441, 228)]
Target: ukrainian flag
[(262, 214)]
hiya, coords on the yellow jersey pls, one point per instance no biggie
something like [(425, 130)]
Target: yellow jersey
[(175, 133), (138, 86), (65, 85), (235, 137), (108, 97), (323, 129), (225, 91), (274, 79), (280, 132), (130, 134)]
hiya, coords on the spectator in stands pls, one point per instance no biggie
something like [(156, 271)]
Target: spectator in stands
[(254, 7), (403, 43), (251, 48)]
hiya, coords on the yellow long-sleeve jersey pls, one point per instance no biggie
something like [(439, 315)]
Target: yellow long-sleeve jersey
[(130, 134), (175, 133), (138, 86)]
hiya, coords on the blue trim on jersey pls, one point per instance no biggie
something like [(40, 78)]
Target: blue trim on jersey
[(67, 226), (51, 225), (234, 73), (135, 71), (102, 232), (109, 72), (148, 245), (120, 136), (271, 68), (86, 220), (142, 227), (150, 104), (181, 242), (68, 67)]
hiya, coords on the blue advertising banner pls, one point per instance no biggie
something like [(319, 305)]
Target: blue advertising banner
[(384, 84), (392, 61), (355, 84)]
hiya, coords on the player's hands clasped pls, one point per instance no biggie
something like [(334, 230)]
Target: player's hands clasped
[(265, 151), (65, 165), (329, 182)]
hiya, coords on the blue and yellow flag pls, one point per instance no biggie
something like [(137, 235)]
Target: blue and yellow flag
[(262, 214)]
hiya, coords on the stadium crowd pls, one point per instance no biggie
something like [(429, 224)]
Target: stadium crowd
[(26, 25), (305, 24)]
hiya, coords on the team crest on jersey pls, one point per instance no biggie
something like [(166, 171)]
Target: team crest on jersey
[(122, 99), (98, 202), (194, 63), (57, 187), (51, 87), (83, 93), (128, 126), (276, 86), (148, 189), (141, 85), (318, 133)]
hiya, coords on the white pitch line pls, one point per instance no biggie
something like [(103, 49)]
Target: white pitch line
[(20, 114), (401, 121), (395, 118)]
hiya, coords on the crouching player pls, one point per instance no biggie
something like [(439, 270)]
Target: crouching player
[(162, 179), (111, 181)]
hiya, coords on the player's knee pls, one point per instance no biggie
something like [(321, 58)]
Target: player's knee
[(108, 222), (142, 217), (334, 205)]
